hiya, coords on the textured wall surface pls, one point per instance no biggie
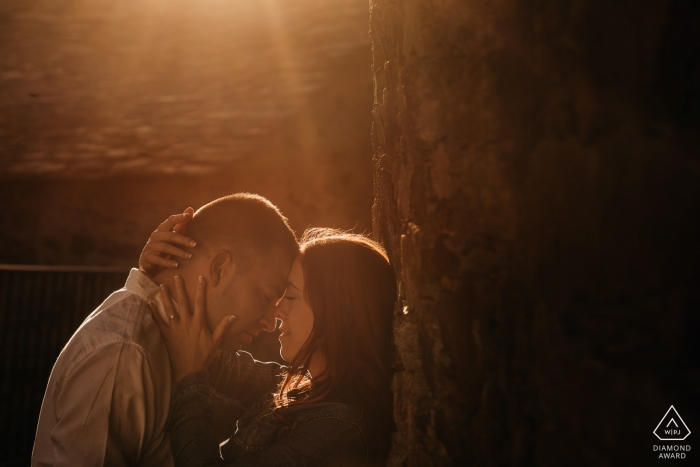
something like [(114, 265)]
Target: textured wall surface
[(89, 89), (537, 186), (115, 114)]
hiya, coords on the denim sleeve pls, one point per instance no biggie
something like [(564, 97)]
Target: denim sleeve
[(323, 441), (315, 441), (192, 439), (242, 380)]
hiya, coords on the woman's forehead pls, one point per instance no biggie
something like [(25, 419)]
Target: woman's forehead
[(296, 275)]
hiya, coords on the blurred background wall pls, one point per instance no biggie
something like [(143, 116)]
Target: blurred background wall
[(538, 189), (115, 114)]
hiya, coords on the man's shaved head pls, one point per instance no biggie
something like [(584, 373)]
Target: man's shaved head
[(245, 224)]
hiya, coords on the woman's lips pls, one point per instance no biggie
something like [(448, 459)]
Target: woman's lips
[(283, 334), (247, 337)]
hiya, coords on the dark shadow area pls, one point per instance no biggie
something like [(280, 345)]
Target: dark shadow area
[(538, 182), (40, 310)]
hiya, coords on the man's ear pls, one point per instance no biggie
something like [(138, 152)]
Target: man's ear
[(221, 266)]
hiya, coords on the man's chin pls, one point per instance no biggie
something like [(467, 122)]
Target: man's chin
[(235, 342), (231, 345)]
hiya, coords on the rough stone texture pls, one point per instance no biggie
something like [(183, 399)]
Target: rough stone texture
[(537, 186)]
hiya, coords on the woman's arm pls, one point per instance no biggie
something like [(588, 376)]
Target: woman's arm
[(190, 423), (314, 441), (242, 380)]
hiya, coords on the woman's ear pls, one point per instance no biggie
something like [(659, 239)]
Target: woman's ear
[(221, 266)]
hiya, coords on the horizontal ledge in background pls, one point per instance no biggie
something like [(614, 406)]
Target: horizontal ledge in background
[(61, 268)]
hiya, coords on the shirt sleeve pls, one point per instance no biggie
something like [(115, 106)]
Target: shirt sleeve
[(316, 441), (241, 379), (104, 409)]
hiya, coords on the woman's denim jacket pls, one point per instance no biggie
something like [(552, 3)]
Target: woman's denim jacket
[(324, 433)]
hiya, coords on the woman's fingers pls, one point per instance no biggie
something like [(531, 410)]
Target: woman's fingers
[(221, 329), (200, 299), (173, 220), (161, 244), (179, 228), (167, 303), (182, 300), (149, 258), (167, 248), (157, 318), (171, 237)]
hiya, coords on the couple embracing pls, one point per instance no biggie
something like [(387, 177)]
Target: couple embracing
[(137, 384)]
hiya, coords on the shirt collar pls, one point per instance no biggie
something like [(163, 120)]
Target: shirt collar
[(139, 283)]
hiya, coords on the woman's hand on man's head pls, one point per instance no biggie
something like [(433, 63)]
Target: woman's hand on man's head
[(160, 248)]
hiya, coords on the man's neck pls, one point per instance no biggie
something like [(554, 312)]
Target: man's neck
[(167, 277)]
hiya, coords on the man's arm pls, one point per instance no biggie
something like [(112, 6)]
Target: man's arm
[(104, 406)]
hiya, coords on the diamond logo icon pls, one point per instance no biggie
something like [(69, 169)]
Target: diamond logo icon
[(672, 427)]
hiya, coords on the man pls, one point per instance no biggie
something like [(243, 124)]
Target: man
[(108, 396)]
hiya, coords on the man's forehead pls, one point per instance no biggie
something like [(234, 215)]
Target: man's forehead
[(272, 269)]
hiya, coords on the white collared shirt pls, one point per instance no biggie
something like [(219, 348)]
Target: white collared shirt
[(140, 284), (108, 396)]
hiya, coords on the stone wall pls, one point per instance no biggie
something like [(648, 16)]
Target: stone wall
[(537, 186)]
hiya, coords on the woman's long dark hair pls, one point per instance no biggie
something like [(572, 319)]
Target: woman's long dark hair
[(351, 289)]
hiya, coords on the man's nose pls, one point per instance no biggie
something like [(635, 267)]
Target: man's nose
[(280, 309), (268, 320)]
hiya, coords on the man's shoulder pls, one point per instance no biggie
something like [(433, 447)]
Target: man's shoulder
[(118, 320), (120, 317)]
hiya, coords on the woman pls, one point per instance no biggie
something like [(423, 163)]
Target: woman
[(332, 405)]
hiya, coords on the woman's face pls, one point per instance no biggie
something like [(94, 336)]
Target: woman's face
[(295, 314)]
